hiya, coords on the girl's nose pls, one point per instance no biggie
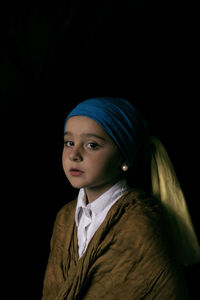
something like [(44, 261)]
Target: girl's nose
[(75, 154)]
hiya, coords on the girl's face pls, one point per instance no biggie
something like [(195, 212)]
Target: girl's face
[(91, 160)]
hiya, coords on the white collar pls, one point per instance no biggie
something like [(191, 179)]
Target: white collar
[(106, 199)]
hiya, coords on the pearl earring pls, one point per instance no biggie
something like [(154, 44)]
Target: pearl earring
[(124, 168)]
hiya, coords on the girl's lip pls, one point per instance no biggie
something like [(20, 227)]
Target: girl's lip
[(76, 172)]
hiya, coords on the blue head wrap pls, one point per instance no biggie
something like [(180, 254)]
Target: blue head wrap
[(119, 118)]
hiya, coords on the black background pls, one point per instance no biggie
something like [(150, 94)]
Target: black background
[(53, 52)]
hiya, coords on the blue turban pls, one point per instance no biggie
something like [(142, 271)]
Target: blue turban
[(119, 118)]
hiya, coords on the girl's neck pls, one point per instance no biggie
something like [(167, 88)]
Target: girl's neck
[(93, 193)]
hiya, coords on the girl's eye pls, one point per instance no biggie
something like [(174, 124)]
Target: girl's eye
[(68, 143), (92, 146)]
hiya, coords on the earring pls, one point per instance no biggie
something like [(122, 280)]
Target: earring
[(125, 168)]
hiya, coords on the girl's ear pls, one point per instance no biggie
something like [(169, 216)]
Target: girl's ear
[(125, 167)]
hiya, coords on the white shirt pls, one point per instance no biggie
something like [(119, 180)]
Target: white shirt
[(89, 217)]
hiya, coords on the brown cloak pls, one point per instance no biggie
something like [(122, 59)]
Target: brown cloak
[(129, 256)]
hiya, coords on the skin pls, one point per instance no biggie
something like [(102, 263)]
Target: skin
[(88, 148)]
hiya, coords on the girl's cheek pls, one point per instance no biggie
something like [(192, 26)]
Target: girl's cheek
[(64, 159), (64, 153)]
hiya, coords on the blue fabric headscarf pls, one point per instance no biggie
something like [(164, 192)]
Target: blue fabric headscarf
[(119, 118)]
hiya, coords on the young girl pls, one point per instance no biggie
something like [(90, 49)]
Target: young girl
[(128, 232)]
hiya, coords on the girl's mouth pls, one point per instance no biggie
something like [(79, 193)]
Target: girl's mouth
[(76, 172)]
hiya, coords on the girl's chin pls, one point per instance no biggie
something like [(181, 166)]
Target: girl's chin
[(76, 185)]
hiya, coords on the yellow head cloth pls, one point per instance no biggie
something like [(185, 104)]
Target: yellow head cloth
[(167, 190)]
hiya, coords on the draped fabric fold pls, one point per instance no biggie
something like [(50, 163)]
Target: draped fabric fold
[(167, 190)]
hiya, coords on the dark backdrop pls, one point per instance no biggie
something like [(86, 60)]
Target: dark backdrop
[(53, 52)]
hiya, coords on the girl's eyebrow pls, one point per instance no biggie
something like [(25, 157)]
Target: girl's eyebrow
[(85, 135), (68, 133), (93, 135)]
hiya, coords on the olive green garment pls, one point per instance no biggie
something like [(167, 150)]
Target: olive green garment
[(129, 256)]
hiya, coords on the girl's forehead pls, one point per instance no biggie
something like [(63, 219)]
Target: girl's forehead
[(83, 125)]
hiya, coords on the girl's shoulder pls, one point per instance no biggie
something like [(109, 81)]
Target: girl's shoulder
[(143, 211), (67, 212), (138, 200)]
